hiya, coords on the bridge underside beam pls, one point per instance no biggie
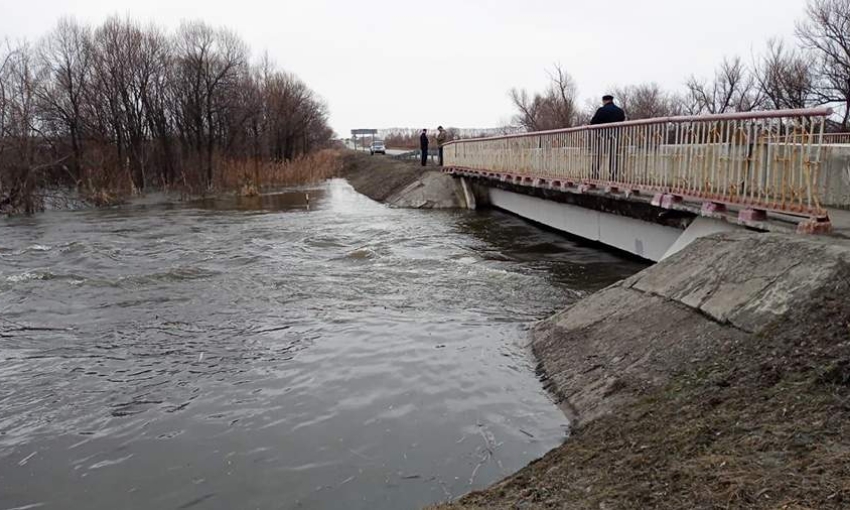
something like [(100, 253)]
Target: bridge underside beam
[(732, 213), (648, 240), (652, 241)]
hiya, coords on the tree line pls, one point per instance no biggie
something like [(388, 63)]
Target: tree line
[(813, 71), (408, 138), (125, 106)]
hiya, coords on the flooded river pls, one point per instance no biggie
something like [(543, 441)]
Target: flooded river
[(266, 354)]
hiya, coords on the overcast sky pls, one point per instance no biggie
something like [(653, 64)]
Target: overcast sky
[(382, 63)]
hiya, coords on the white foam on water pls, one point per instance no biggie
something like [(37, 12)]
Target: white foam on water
[(26, 276), (107, 463), (27, 507)]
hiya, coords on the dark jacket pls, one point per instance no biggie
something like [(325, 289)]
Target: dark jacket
[(423, 142), (607, 114)]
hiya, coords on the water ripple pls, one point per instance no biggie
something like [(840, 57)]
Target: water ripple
[(226, 354)]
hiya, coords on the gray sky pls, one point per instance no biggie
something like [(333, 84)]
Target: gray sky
[(382, 63)]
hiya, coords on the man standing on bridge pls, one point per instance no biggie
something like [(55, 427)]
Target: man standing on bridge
[(441, 140), (608, 113), (423, 146)]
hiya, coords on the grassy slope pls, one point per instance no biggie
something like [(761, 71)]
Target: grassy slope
[(379, 177)]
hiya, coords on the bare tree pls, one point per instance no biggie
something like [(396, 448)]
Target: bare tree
[(555, 108), (786, 77), (65, 55), (21, 164), (5, 97), (561, 98), (528, 109), (112, 96), (826, 33), (211, 64), (733, 89), (157, 97), (646, 101)]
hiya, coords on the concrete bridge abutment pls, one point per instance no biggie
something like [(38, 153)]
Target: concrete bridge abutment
[(629, 223)]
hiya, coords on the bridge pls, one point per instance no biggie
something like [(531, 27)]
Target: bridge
[(652, 186)]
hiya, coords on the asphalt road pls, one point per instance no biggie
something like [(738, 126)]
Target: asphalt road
[(390, 152)]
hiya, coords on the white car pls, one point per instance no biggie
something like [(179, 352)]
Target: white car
[(377, 146)]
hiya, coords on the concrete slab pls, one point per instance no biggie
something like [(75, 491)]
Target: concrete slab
[(648, 240), (744, 278), (700, 227), (433, 190), (840, 219)]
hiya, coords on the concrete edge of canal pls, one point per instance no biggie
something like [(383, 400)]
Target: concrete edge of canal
[(403, 184)]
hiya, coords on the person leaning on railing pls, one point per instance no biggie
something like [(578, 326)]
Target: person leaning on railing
[(608, 113)]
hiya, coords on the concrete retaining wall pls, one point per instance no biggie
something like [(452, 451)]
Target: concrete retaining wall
[(834, 177), (432, 190), (606, 349)]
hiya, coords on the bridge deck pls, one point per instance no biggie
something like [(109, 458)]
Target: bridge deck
[(759, 165)]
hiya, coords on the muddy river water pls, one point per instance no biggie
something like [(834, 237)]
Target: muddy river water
[(275, 353)]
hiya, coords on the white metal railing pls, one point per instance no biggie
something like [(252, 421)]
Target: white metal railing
[(828, 138), (766, 160), (838, 138)]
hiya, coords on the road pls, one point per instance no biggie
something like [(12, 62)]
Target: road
[(390, 152)]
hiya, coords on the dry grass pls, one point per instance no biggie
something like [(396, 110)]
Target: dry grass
[(249, 190), (249, 176), (102, 198), (246, 177)]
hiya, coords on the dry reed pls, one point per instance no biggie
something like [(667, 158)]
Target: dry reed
[(250, 177)]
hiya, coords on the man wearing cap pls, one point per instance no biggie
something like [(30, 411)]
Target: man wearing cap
[(608, 112), (607, 139)]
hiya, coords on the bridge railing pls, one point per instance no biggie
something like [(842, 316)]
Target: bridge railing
[(828, 138), (416, 154), (836, 138), (765, 160)]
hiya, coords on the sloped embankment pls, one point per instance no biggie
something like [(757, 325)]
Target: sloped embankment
[(402, 183), (719, 378)]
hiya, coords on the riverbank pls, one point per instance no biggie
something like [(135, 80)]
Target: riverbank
[(718, 378), (246, 178), (397, 183), (402, 183)]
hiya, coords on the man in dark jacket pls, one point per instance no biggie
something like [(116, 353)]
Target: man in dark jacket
[(423, 146), (608, 112), (607, 139)]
